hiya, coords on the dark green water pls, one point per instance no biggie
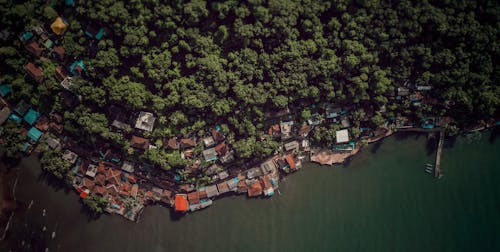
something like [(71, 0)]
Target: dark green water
[(382, 201)]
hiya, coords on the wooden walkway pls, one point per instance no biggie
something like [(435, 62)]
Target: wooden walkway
[(437, 169)]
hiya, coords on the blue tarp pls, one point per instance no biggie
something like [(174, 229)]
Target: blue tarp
[(25, 147), (27, 36), (100, 34), (31, 116), (77, 63), (34, 134), (5, 90), (15, 118), (70, 3)]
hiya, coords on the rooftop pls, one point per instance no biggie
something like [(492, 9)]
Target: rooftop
[(342, 136), (145, 121)]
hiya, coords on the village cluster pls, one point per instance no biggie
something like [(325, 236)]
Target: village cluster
[(129, 186)]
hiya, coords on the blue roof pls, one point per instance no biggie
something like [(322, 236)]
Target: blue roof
[(25, 146), (31, 116), (74, 65), (100, 34), (34, 134), (5, 90), (27, 36), (15, 118), (70, 3)]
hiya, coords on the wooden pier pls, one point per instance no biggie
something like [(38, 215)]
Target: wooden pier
[(437, 169)]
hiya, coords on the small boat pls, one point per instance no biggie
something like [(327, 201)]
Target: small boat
[(429, 165), (428, 171), (53, 234)]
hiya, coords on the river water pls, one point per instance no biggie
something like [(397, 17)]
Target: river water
[(381, 201)]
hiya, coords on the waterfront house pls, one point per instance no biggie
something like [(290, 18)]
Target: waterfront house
[(4, 114), (128, 167), (242, 186), (59, 26), (232, 184), (291, 162), (100, 179), (267, 167), (208, 141), (193, 197), (145, 121), (187, 143), (268, 189), (254, 172), (222, 187), (166, 197), (69, 156), (292, 146), (181, 203), (34, 71), (171, 143), (139, 142), (34, 48), (342, 136), (91, 170), (254, 188), (286, 129), (211, 191), (202, 193), (210, 154)]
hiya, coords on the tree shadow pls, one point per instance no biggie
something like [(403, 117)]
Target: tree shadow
[(431, 145), (495, 132), (175, 216), (89, 214), (55, 183), (375, 146)]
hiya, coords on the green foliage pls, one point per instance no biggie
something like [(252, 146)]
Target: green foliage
[(12, 140), (52, 162), (96, 204)]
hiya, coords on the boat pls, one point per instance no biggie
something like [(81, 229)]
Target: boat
[(429, 165)]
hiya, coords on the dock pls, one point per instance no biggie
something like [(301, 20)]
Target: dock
[(437, 169)]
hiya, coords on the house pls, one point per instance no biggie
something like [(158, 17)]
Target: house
[(42, 123), (211, 191), (242, 186), (268, 186), (100, 191), (5, 90), (171, 143), (208, 141), (222, 187), (213, 169), (145, 121), (134, 191), (21, 108), (286, 129), (53, 143), (91, 170), (77, 68), (34, 71), (217, 135), (58, 52), (315, 120), (34, 48), (100, 179), (254, 188), (88, 184), (268, 167), (193, 197), (31, 116), (166, 197), (342, 136), (254, 172), (228, 157), (120, 125), (124, 189), (187, 143), (333, 112), (223, 175), (292, 146), (4, 114), (34, 134), (181, 203), (113, 176), (112, 190), (304, 130), (210, 154), (59, 26), (233, 184), (403, 91), (291, 162), (221, 149), (139, 142), (128, 167), (67, 83), (274, 130), (69, 156), (423, 87)]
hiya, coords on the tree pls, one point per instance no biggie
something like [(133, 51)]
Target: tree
[(12, 140), (52, 162), (95, 203)]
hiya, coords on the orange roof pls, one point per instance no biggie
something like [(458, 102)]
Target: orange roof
[(59, 26), (181, 203), (194, 197), (255, 189), (291, 162)]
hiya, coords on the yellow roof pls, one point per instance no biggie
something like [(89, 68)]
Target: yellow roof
[(58, 27)]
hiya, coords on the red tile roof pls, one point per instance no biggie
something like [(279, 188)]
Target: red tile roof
[(172, 143), (193, 197), (59, 51), (99, 190), (34, 71), (255, 189), (35, 48), (139, 142), (187, 143), (100, 179), (113, 176), (291, 162), (217, 135), (111, 189), (181, 203), (221, 148), (88, 184)]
